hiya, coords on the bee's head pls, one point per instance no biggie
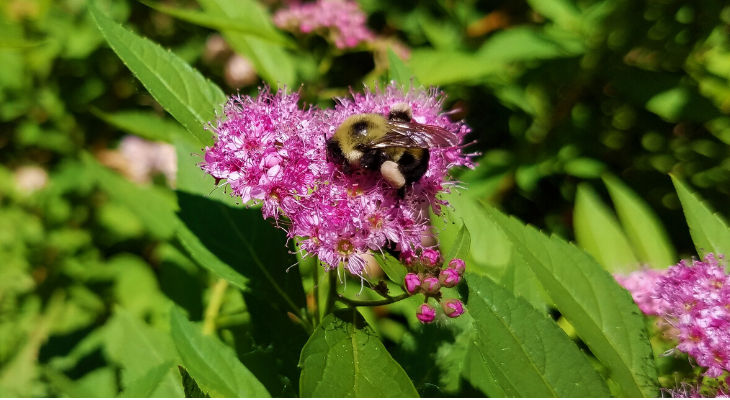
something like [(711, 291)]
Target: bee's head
[(334, 152)]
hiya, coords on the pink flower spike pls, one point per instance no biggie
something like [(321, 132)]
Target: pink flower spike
[(412, 283), (698, 306), (453, 308), (426, 314), (642, 286), (431, 286), (430, 257), (449, 277), (458, 264)]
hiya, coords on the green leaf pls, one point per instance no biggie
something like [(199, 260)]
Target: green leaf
[(709, 231), (399, 72), (344, 358), (460, 247), (156, 211), (272, 62), (213, 365), (146, 125), (220, 23), (525, 364), (180, 89), (644, 229), (393, 268), (192, 390), (601, 311), (145, 385), (243, 248), (563, 12), (598, 232), (139, 349)]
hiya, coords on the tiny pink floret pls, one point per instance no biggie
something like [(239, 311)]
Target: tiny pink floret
[(412, 283), (453, 308), (426, 314), (458, 264), (431, 286), (449, 277)]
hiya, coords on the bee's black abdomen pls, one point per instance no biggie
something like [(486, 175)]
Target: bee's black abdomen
[(412, 167), (372, 159)]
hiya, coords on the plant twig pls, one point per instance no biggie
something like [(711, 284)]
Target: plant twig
[(360, 303), (214, 306)]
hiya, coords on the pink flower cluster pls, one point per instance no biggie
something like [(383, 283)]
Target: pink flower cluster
[(642, 286), (695, 391), (272, 153), (428, 277), (698, 299), (342, 22)]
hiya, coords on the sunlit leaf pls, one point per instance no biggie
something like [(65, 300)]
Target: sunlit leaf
[(140, 349), (598, 232), (180, 89), (272, 62), (213, 365), (344, 358), (251, 27), (522, 363), (645, 231), (146, 384), (709, 230), (601, 311)]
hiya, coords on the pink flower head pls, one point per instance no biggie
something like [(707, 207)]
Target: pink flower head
[(272, 153), (412, 283), (453, 308), (342, 22), (698, 306), (449, 277), (430, 257), (426, 313), (458, 264), (642, 286)]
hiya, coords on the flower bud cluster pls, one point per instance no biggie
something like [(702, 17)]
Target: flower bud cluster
[(427, 276)]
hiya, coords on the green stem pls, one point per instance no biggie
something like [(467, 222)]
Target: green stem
[(315, 291), (332, 294), (214, 306), (359, 303)]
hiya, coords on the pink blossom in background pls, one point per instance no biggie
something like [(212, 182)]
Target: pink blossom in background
[(698, 305), (341, 21), (31, 178), (271, 152), (146, 158), (641, 284)]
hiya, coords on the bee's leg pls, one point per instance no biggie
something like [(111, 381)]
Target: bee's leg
[(402, 192)]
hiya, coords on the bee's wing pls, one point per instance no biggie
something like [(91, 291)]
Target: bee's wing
[(413, 135)]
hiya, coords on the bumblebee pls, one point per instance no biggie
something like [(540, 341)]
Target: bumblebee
[(396, 146)]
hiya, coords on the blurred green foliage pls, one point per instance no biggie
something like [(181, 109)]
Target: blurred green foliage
[(557, 92)]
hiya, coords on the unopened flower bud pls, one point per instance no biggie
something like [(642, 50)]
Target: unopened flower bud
[(412, 282), (407, 257), (453, 308), (458, 264), (449, 277), (430, 258), (431, 285), (426, 314)]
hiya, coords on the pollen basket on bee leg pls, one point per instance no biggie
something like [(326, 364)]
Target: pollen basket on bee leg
[(392, 175)]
